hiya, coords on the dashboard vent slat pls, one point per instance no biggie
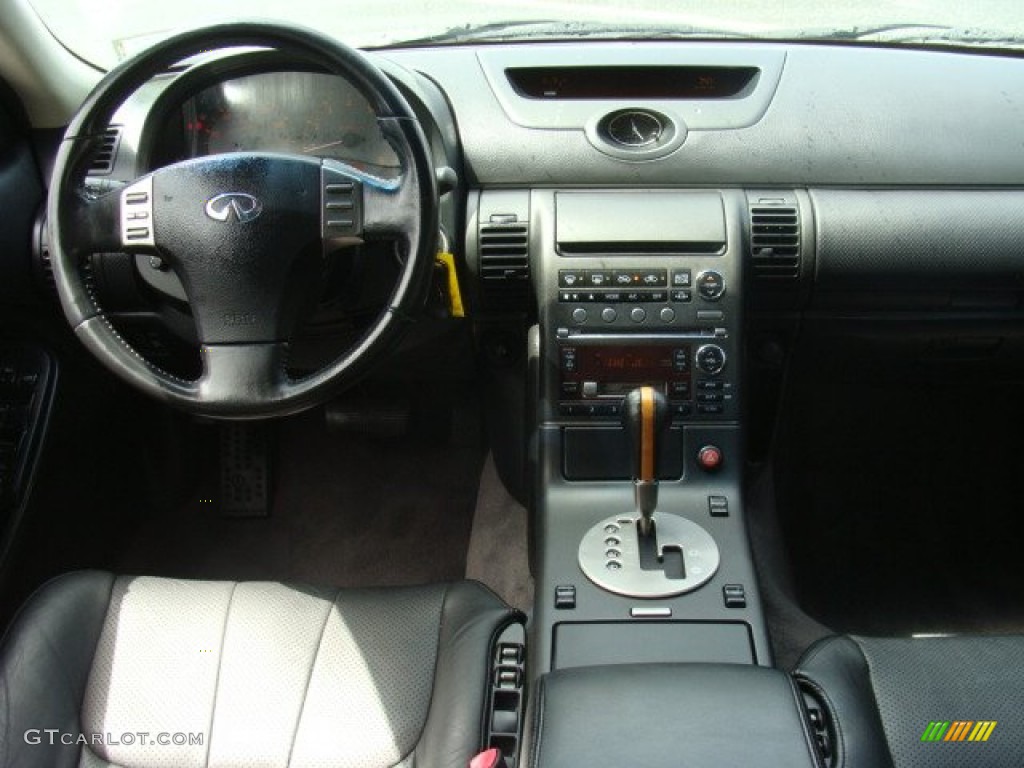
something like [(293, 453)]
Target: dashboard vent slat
[(775, 242), (504, 256), (105, 153)]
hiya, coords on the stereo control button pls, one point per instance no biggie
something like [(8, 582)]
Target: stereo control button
[(680, 409), (680, 359), (568, 359), (679, 389), (710, 285), (711, 359)]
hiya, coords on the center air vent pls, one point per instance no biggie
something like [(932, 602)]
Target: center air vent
[(106, 152), (504, 257), (775, 242)]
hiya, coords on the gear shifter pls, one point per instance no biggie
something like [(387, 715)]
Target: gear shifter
[(630, 554), (645, 417)]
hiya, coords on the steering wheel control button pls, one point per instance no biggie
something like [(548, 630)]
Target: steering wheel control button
[(711, 359), (710, 458), (565, 597), (608, 315), (734, 596), (718, 506), (579, 315), (710, 285), (342, 211), (137, 214), (638, 314)]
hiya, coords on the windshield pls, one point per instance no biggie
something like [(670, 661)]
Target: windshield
[(104, 32)]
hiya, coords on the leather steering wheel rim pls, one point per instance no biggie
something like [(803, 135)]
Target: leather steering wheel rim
[(243, 367)]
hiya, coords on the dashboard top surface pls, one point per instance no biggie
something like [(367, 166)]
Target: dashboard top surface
[(812, 115)]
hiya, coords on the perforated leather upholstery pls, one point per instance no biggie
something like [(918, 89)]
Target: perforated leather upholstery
[(246, 674), (882, 694)]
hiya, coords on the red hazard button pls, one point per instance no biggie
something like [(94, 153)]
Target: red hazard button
[(710, 457)]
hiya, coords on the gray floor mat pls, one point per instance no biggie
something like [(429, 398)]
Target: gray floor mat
[(346, 510), (498, 554)]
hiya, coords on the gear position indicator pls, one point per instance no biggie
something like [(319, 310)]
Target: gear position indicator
[(677, 556)]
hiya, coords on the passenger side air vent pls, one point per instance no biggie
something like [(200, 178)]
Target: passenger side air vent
[(106, 152), (504, 257), (775, 242)]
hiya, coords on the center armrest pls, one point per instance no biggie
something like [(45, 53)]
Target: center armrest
[(654, 715)]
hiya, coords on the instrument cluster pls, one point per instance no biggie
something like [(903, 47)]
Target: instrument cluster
[(292, 112)]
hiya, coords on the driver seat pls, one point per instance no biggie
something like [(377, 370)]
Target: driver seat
[(140, 672)]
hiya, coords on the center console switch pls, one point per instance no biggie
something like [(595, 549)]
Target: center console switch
[(669, 715)]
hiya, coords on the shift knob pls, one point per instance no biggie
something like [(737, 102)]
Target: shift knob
[(645, 417)]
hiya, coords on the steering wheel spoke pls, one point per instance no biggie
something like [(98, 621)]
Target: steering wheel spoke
[(92, 225), (360, 206), (242, 377)]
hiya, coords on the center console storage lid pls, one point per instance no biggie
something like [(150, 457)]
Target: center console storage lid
[(654, 715)]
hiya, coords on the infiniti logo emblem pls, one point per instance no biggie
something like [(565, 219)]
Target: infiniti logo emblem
[(244, 207)]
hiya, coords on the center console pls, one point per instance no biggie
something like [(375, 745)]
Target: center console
[(636, 290)]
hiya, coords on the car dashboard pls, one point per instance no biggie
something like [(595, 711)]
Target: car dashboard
[(791, 243)]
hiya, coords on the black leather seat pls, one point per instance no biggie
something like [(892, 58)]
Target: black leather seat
[(101, 670), (921, 703)]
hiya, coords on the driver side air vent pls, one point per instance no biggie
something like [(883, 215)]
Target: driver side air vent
[(775, 242), (504, 258), (105, 153)]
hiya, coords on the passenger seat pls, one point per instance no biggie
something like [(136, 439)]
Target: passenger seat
[(931, 702)]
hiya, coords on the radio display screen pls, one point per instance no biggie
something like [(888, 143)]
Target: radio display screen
[(626, 363)]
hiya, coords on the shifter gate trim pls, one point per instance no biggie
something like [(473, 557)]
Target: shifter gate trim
[(616, 568)]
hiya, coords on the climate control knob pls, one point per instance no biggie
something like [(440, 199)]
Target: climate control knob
[(711, 359)]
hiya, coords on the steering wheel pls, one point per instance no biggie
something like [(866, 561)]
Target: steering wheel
[(245, 233)]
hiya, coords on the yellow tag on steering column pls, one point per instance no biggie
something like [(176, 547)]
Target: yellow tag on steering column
[(455, 307)]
